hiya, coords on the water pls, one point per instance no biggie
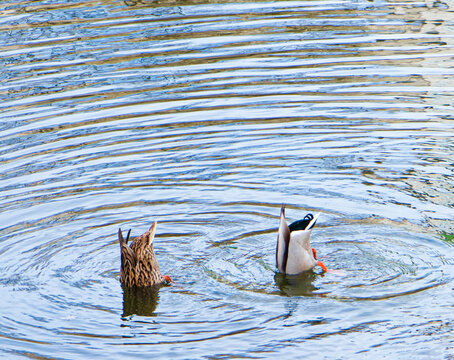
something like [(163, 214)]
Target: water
[(207, 117)]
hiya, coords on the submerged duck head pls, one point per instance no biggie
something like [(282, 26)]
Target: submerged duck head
[(294, 254), (139, 266)]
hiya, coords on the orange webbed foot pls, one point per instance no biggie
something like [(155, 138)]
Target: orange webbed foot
[(324, 268)]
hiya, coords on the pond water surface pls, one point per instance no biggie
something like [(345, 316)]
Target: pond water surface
[(206, 116)]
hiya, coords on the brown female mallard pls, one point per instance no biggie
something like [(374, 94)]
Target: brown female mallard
[(139, 266)]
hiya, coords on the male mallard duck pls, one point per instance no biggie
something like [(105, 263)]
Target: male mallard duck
[(293, 252), (139, 266)]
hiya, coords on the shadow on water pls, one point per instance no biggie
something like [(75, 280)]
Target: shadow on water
[(140, 301), (296, 285)]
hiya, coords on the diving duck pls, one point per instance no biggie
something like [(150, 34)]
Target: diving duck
[(139, 266), (294, 254)]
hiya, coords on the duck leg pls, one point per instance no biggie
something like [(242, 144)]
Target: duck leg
[(319, 263)]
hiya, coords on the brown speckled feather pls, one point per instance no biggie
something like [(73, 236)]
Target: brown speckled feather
[(139, 266)]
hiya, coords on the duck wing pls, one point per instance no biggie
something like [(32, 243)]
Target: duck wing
[(283, 242), (128, 261)]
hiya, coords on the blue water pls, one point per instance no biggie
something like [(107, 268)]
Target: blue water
[(206, 117)]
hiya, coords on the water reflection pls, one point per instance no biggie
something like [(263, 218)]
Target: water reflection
[(296, 285), (139, 2), (140, 300)]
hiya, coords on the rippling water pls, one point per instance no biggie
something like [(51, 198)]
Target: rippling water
[(207, 117)]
